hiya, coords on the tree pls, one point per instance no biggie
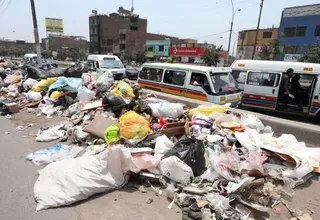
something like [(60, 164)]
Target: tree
[(62, 55), (140, 56), (46, 54), (211, 55), (312, 54), (271, 50)]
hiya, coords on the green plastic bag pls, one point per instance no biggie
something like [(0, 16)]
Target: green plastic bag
[(111, 134)]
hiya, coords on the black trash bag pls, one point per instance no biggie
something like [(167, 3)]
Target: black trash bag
[(4, 110), (37, 73), (149, 141), (191, 151), (113, 100), (55, 72), (77, 70), (4, 73)]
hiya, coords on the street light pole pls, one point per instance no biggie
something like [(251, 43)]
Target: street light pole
[(234, 45), (36, 33), (231, 25), (258, 26)]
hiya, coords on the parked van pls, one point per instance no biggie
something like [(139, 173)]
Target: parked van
[(261, 81), (209, 84), (30, 57), (103, 62)]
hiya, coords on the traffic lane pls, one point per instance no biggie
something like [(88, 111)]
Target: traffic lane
[(18, 177)]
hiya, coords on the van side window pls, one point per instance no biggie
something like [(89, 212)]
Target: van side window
[(261, 79), (198, 79), (153, 74), (239, 76), (174, 77)]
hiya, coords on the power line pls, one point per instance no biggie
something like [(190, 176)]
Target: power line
[(210, 35), (2, 2), (5, 7)]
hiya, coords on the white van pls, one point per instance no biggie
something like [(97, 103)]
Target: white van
[(260, 81), (211, 84), (31, 57), (101, 63)]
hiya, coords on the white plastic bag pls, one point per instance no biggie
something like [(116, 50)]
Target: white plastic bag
[(163, 145), (29, 83), (94, 149), (34, 96), (252, 121), (85, 95), (105, 81), (69, 181), (54, 153), (167, 110), (51, 134), (175, 169)]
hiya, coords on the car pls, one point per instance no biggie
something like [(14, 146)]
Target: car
[(131, 72)]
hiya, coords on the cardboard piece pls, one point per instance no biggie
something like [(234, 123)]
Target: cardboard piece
[(178, 128), (13, 107), (98, 125), (92, 105)]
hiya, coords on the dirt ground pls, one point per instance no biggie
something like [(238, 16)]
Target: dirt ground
[(18, 176)]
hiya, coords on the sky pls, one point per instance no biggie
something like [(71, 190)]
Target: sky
[(204, 20)]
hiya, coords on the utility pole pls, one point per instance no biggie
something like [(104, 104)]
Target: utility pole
[(36, 33), (258, 26)]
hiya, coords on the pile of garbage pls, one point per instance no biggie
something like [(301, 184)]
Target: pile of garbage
[(212, 161)]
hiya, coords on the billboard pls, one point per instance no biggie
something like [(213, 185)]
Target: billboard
[(186, 51), (54, 25)]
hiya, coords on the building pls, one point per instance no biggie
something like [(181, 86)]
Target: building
[(246, 41), (18, 44), (119, 33), (58, 42), (299, 27), (184, 43), (157, 49)]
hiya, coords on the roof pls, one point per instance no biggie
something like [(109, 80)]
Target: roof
[(186, 67), (302, 6), (277, 66), (260, 29)]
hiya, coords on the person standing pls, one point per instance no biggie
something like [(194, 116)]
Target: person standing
[(284, 90)]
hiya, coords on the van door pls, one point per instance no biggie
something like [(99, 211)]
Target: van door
[(261, 89), (314, 103), (174, 81), (195, 89)]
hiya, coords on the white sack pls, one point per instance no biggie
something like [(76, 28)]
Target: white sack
[(69, 181), (34, 96), (163, 145), (175, 169), (167, 110), (85, 95)]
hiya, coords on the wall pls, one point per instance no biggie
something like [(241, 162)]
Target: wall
[(57, 42), (308, 16), (246, 41), (155, 45)]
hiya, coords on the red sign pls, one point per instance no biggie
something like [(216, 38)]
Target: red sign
[(186, 51)]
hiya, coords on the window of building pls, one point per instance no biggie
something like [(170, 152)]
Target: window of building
[(317, 31), (122, 36), (191, 59), (290, 49), (161, 48), (133, 28), (267, 34), (262, 79), (174, 77), (289, 32), (152, 74), (242, 35), (150, 49), (109, 42), (301, 31), (122, 46), (103, 41)]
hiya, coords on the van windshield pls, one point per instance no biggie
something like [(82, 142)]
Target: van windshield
[(223, 83), (111, 64)]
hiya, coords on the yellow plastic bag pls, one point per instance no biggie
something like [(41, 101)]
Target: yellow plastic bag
[(133, 125), (123, 89), (43, 85), (56, 94), (208, 110)]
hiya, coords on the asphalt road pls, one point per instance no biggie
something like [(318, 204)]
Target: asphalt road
[(17, 178)]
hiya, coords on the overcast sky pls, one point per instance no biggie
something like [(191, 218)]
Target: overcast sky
[(197, 19)]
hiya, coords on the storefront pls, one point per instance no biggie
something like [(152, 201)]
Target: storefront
[(187, 54)]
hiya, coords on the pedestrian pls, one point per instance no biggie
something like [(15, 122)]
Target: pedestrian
[(284, 90)]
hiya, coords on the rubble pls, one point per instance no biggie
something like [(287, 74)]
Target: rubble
[(213, 162)]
